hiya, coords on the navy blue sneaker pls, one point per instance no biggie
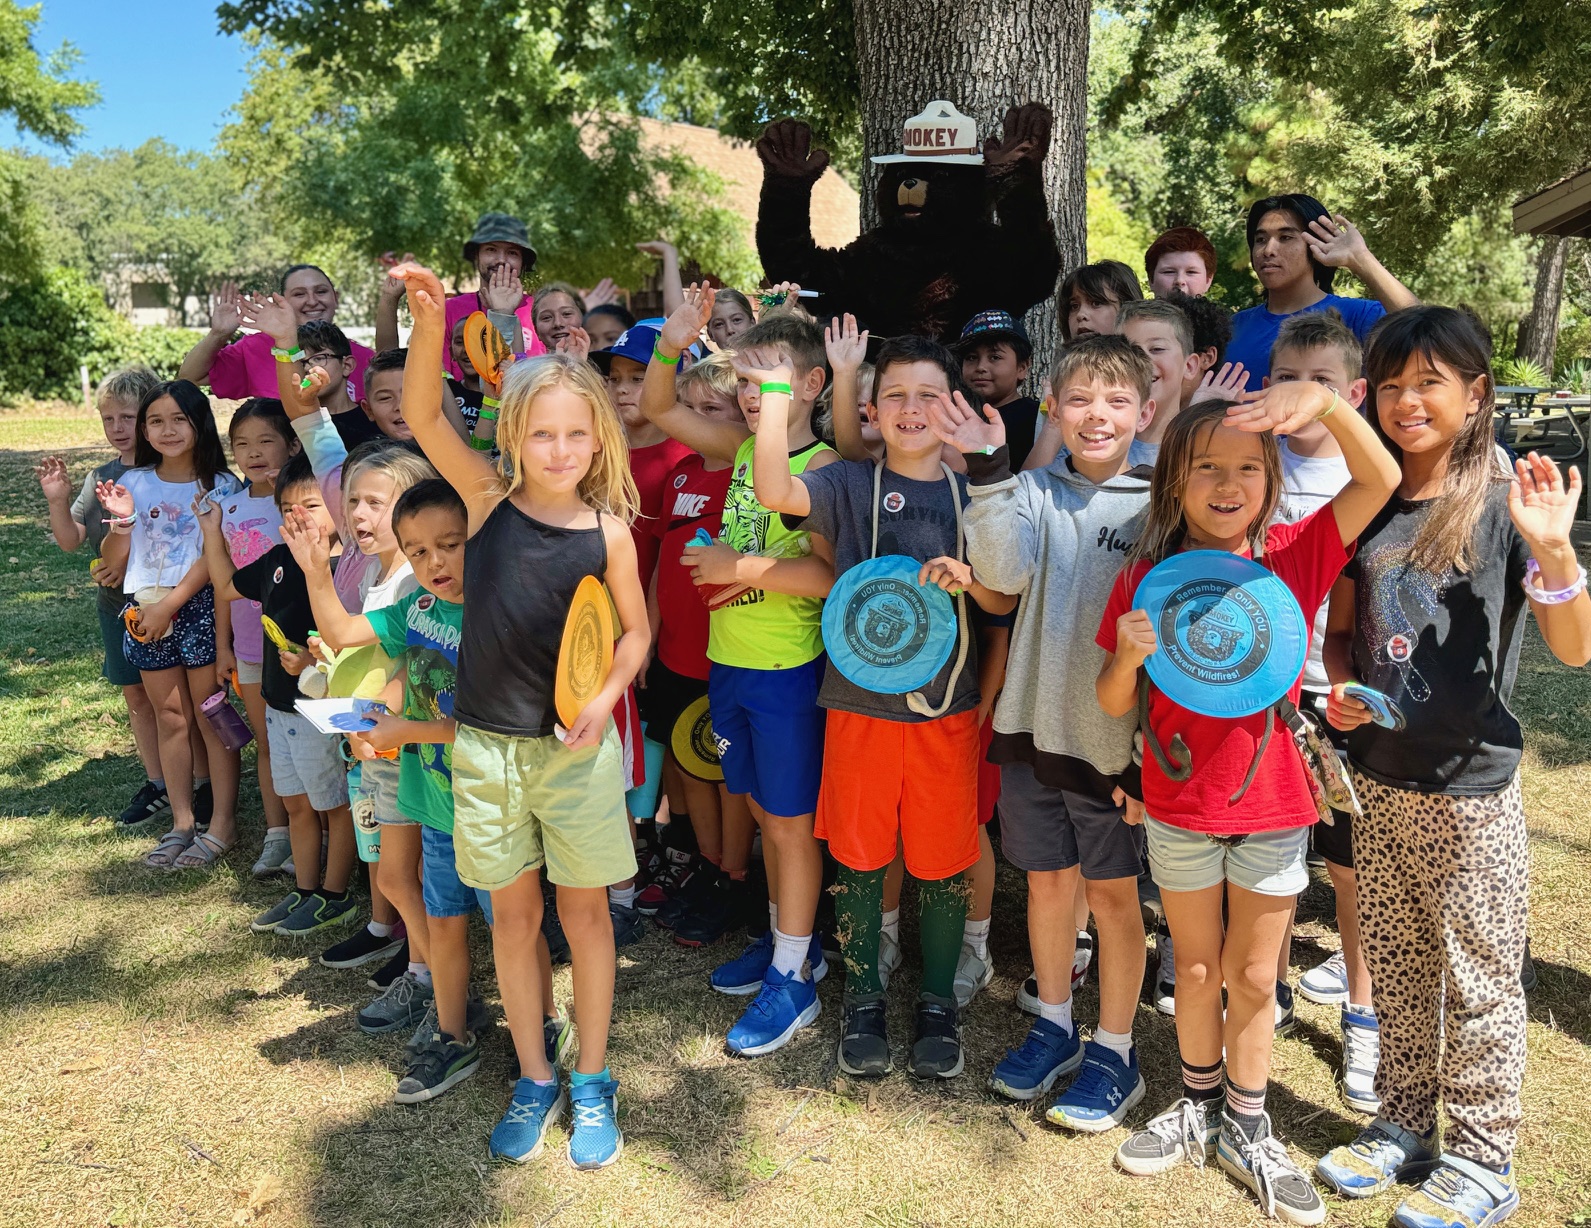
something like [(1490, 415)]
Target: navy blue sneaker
[(744, 974), (1099, 1098), (785, 1004), (1459, 1194), (519, 1136), (1047, 1053), (1382, 1154), (594, 1138)]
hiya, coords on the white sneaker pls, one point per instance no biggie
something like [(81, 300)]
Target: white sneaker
[(1165, 991), (1361, 1054), (275, 855), (972, 974), (888, 957), (1081, 958), (1326, 983)]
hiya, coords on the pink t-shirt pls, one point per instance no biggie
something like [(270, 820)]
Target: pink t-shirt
[(461, 305), (246, 369)]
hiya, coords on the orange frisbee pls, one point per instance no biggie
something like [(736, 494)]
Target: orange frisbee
[(585, 654)]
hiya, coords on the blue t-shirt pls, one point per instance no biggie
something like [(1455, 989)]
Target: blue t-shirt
[(1254, 330)]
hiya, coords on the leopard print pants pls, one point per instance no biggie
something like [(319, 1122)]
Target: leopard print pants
[(1443, 887)]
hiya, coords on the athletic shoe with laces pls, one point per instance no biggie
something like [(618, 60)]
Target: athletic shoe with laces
[(864, 1036), (203, 806), (1027, 994), (629, 926), (649, 862), (678, 869), (1187, 1131), (1045, 1054), (1326, 983), (786, 1003), (1262, 1163), (317, 912), (278, 912), (1382, 1154), (557, 1034), (973, 972), (1099, 1098), (476, 1021), (276, 850), (888, 957), (400, 1005), (724, 906), (440, 1064), (1361, 1054), (361, 948), (1165, 990), (391, 970), (1459, 1193), (1285, 1015), (148, 804), (594, 1138), (519, 1135), (936, 1049), (690, 895), (744, 974)]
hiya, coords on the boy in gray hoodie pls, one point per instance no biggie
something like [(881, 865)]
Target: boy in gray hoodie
[(1057, 537)]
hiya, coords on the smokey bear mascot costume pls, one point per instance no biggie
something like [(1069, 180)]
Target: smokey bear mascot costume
[(961, 230)]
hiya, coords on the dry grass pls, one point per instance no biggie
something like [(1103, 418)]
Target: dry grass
[(166, 1067)]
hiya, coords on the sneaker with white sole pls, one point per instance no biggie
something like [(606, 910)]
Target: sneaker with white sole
[(148, 804), (278, 912), (936, 1047), (594, 1137), (441, 1064), (1262, 1163), (864, 1036), (1286, 1016), (1459, 1194), (1382, 1154), (1165, 988), (973, 972), (274, 853), (1326, 983), (1184, 1133), (1046, 1053), (1027, 993), (518, 1137), (744, 975), (786, 1003), (1361, 1054), (362, 947), (1082, 957), (1104, 1092), (401, 1005)]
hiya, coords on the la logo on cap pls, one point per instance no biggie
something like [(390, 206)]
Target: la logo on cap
[(940, 134)]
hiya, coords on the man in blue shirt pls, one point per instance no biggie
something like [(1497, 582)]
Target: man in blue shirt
[(1296, 248)]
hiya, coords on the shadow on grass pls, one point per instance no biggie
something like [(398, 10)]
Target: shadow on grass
[(1561, 999)]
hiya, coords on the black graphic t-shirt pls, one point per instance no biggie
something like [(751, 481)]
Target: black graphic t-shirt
[(276, 582), (1444, 648)]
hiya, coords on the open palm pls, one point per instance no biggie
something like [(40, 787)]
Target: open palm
[(1541, 507)]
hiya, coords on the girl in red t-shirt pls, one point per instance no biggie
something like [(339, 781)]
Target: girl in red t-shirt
[(1213, 842)]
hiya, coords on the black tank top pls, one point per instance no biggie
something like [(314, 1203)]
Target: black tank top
[(519, 578)]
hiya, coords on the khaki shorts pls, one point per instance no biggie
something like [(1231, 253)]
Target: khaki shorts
[(520, 803)]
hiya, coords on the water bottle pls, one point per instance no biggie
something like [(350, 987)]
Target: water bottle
[(224, 719)]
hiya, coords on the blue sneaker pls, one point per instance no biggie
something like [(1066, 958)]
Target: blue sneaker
[(1046, 1054), (743, 975), (1105, 1089), (1459, 1194), (1380, 1155), (594, 1138), (519, 1135), (785, 1004)]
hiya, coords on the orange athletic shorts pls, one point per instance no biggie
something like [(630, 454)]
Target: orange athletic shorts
[(915, 783)]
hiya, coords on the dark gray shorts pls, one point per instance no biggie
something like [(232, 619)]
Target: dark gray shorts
[(1045, 829)]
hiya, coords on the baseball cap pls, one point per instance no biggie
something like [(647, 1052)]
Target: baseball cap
[(635, 343)]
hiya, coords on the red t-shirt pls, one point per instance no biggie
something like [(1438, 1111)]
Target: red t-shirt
[(651, 466), (246, 369), (1307, 556), (694, 500)]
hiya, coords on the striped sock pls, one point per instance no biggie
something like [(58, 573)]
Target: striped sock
[(1246, 1107), (1201, 1083)]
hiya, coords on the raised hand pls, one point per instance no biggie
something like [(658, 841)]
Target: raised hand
[(391, 287), (51, 472), (427, 302), (576, 341), (1541, 508), (1225, 385), (785, 148), (762, 365), (846, 348), (1025, 138), (684, 325), (783, 295), (272, 315), (601, 294), (1336, 242), (1283, 408), (114, 498), (955, 422), (225, 318), (502, 291), (1135, 637), (206, 510), (307, 389), (659, 247), (306, 539)]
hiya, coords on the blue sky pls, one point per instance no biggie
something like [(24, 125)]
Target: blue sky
[(162, 66)]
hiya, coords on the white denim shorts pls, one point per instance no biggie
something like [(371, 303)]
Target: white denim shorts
[(1267, 862)]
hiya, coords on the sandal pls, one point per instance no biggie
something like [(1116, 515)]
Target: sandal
[(172, 845), (203, 853)]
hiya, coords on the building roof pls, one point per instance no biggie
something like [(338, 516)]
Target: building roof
[(1562, 209)]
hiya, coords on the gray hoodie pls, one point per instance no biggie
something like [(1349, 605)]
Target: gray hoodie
[(1053, 538)]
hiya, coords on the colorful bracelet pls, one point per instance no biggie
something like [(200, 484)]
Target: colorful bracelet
[(281, 355), (772, 387), (663, 358), (120, 522), (1543, 596), (487, 415), (481, 445)]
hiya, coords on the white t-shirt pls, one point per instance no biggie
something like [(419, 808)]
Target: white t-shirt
[(394, 588), (166, 541), (1308, 483)]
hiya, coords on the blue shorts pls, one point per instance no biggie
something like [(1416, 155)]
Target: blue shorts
[(189, 645), (769, 730), (444, 894), (641, 801)]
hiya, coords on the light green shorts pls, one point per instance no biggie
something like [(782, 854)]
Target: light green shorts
[(520, 803)]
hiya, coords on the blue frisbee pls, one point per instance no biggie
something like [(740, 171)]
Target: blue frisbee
[(884, 631), (1231, 637)]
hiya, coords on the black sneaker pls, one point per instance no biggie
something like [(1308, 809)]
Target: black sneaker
[(317, 912), (629, 926), (1261, 1162), (476, 1021), (391, 970), (278, 912), (649, 862), (552, 930), (678, 869), (1285, 1019), (441, 1064), (937, 1053), (720, 910), (864, 1038), (203, 806), (360, 949), (1527, 970), (690, 894), (149, 803)]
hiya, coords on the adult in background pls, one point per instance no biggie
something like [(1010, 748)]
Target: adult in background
[(1296, 247), (1181, 261), (236, 370)]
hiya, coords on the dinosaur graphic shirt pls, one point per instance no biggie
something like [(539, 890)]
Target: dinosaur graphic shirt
[(1444, 647), (423, 632)]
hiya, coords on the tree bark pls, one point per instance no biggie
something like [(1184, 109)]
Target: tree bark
[(1538, 331), (984, 58)]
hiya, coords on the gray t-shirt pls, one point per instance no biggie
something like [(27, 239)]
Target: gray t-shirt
[(1308, 484), (86, 510), (917, 519)]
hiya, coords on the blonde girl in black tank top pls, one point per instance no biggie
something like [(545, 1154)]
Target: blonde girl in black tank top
[(553, 509)]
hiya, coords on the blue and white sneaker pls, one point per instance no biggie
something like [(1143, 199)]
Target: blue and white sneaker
[(519, 1136), (1361, 1055), (1460, 1194), (1047, 1053), (1381, 1154), (1187, 1131), (1099, 1098), (743, 975), (594, 1138), (785, 1004), (1261, 1162)]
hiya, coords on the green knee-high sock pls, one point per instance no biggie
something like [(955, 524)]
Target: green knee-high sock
[(859, 915), (943, 906)]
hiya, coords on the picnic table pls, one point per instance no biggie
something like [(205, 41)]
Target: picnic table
[(1536, 420)]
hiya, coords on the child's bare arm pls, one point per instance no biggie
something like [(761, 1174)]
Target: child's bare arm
[(311, 551), (1117, 685), (716, 440), (1543, 510)]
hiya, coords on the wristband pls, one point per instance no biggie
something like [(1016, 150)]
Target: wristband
[(487, 415), (281, 355), (776, 387), (663, 358), (1326, 413), (120, 522), (491, 403), (481, 445), (1551, 596)]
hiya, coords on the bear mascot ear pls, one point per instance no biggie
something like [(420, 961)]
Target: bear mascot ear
[(785, 148)]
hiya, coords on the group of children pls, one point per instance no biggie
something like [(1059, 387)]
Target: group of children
[(719, 497)]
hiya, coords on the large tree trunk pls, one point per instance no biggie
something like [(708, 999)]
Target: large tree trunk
[(1538, 331), (984, 58)]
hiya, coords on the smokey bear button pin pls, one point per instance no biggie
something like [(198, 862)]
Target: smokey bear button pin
[(884, 631)]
